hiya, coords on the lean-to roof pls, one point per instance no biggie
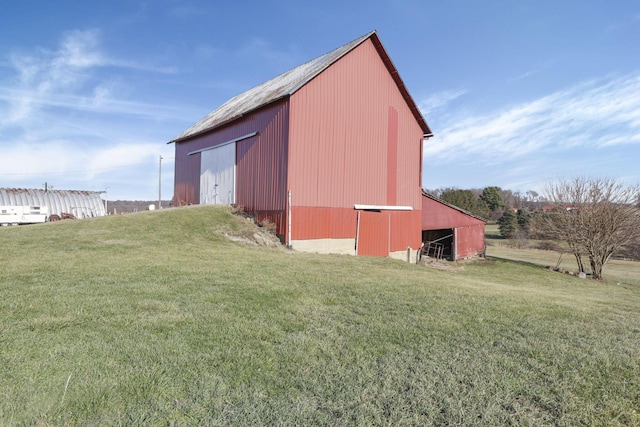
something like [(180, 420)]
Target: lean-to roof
[(436, 199), (287, 84)]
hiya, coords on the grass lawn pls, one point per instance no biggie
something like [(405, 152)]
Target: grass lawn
[(619, 272), (158, 318)]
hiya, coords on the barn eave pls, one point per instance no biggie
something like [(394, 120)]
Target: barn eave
[(288, 83)]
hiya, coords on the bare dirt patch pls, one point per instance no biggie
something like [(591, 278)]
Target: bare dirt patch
[(254, 232), (451, 265), (257, 238)]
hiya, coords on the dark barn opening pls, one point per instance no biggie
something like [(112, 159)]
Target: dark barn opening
[(438, 243)]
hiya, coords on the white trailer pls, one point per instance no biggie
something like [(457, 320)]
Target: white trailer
[(17, 215)]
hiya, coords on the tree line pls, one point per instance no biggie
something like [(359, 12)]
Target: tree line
[(489, 202), (596, 218)]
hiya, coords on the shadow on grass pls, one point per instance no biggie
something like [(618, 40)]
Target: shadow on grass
[(519, 262)]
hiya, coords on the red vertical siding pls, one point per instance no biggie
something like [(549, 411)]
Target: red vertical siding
[(353, 140), (392, 157), (373, 237), (469, 241), (469, 230), (388, 231), (403, 226), (323, 222), (436, 215), (262, 166), (187, 176), (261, 163)]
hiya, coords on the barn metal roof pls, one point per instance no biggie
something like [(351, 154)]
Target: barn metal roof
[(287, 84), (83, 204)]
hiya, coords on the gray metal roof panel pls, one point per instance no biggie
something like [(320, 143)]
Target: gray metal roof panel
[(277, 88)]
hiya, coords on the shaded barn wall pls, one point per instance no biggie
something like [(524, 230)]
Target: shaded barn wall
[(469, 241), (353, 140), (436, 215), (261, 163)]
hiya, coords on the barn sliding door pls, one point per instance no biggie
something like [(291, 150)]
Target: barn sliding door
[(218, 175)]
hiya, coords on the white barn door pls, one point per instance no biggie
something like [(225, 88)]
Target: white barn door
[(218, 175)]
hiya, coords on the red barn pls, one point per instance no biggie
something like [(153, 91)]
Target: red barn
[(450, 232), (330, 151)]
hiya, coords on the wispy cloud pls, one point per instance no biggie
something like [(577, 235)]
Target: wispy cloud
[(57, 107), (64, 78), (593, 114), (439, 100), (529, 73), (42, 75)]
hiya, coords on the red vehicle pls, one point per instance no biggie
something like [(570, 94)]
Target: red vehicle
[(63, 215)]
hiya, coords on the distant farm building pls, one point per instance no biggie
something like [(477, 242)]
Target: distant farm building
[(81, 204), (450, 232)]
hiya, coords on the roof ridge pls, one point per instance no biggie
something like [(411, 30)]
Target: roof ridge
[(282, 85)]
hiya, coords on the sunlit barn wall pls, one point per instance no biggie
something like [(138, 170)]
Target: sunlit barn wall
[(353, 141)]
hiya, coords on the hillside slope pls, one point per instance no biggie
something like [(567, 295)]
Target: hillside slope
[(159, 318)]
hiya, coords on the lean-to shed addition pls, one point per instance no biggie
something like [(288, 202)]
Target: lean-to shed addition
[(450, 232), (330, 151)]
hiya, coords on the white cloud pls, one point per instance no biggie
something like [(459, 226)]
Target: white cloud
[(58, 157), (71, 115), (43, 75), (440, 100), (79, 49), (66, 78), (121, 155), (592, 114)]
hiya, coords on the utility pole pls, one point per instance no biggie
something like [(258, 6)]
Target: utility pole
[(160, 184)]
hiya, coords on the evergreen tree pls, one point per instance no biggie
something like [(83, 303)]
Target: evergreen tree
[(524, 217), (492, 198), (508, 224), (465, 199)]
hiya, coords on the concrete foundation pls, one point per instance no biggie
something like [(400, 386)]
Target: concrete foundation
[(409, 255), (326, 246), (344, 247)]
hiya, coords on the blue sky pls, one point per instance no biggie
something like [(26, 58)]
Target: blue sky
[(516, 92)]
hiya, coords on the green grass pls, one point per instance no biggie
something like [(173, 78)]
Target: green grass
[(157, 318), (619, 272)]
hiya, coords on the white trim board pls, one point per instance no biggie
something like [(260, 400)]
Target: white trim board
[(382, 208)]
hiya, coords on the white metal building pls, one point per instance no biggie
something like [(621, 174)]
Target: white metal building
[(82, 204)]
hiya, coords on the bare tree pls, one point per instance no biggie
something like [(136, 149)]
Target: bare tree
[(594, 216)]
